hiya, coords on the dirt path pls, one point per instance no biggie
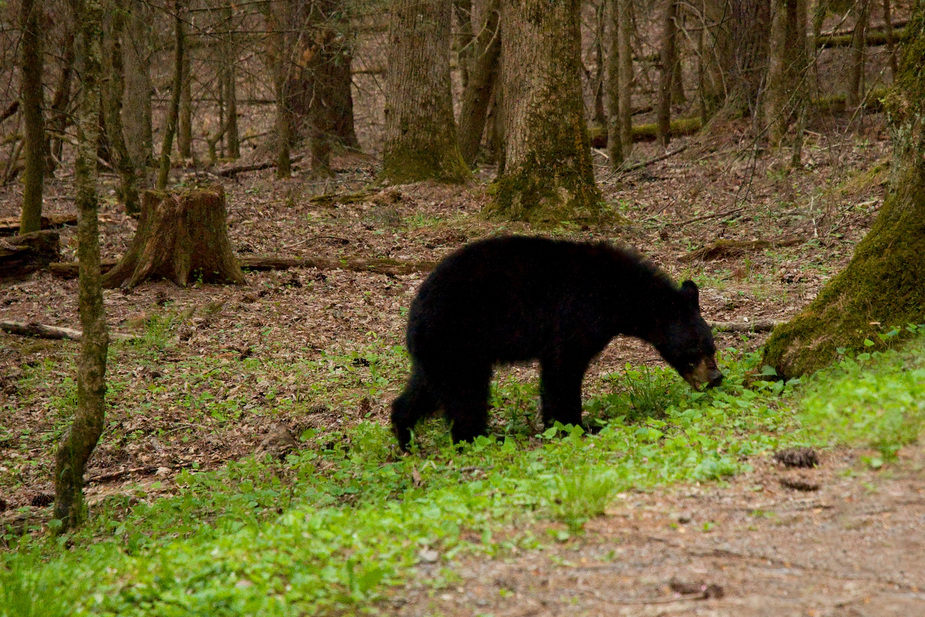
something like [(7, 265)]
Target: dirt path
[(854, 547)]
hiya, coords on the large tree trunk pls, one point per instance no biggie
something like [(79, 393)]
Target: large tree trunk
[(483, 74), (343, 130), (883, 286), (173, 114), (112, 109), (547, 175), (421, 142), (32, 103), (180, 235), (79, 441)]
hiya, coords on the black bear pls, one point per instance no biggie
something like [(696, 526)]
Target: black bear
[(516, 298)]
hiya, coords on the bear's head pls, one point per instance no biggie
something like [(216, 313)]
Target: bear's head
[(685, 340)]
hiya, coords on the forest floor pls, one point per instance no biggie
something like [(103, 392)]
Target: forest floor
[(851, 546)]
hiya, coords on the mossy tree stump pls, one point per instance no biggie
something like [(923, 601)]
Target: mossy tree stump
[(883, 287), (180, 235)]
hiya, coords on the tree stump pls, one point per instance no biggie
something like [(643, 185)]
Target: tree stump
[(179, 235)]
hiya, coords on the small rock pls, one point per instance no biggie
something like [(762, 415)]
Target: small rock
[(797, 457), (429, 555)]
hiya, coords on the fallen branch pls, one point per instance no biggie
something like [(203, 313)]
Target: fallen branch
[(764, 325), (389, 267), (725, 248), (233, 170), (33, 328), (625, 171)]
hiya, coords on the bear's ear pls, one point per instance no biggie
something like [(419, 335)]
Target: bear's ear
[(689, 291)]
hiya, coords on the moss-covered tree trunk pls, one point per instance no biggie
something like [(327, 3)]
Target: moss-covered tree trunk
[(420, 133), (79, 441), (32, 103), (547, 174), (883, 286)]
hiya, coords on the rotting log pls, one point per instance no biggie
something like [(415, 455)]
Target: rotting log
[(22, 255), (39, 330), (180, 236), (729, 248)]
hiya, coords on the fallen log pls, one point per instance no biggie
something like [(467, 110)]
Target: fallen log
[(22, 255), (38, 330), (232, 170)]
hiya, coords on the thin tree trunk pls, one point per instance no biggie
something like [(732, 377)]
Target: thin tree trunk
[(668, 59), (614, 85), (624, 35), (890, 40), (278, 16), (464, 39), (858, 53), (230, 89), (79, 441), (136, 109), (58, 118), (344, 129), (421, 141), (547, 175), (483, 75), (599, 117), (112, 108), (174, 112), (32, 103), (787, 68), (185, 121)]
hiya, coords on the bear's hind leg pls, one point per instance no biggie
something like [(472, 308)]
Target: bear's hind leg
[(465, 397), (416, 402)]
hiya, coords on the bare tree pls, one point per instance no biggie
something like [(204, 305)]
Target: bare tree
[(547, 172), (32, 103), (79, 441), (279, 13), (883, 287), (173, 113), (420, 132)]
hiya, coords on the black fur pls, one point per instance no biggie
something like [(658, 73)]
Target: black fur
[(518, 298)]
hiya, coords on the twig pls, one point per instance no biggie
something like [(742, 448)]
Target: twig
[(625, 171), (712, 216)]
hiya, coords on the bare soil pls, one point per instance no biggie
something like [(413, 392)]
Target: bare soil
[(850, 546)]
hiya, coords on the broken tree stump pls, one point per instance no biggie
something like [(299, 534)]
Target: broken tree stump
[(22, 255), (180, 236)]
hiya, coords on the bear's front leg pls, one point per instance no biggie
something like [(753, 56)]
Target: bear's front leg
[(560, 390)]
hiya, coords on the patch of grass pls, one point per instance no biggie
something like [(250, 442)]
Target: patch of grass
[(345, 519), (874, 400)]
